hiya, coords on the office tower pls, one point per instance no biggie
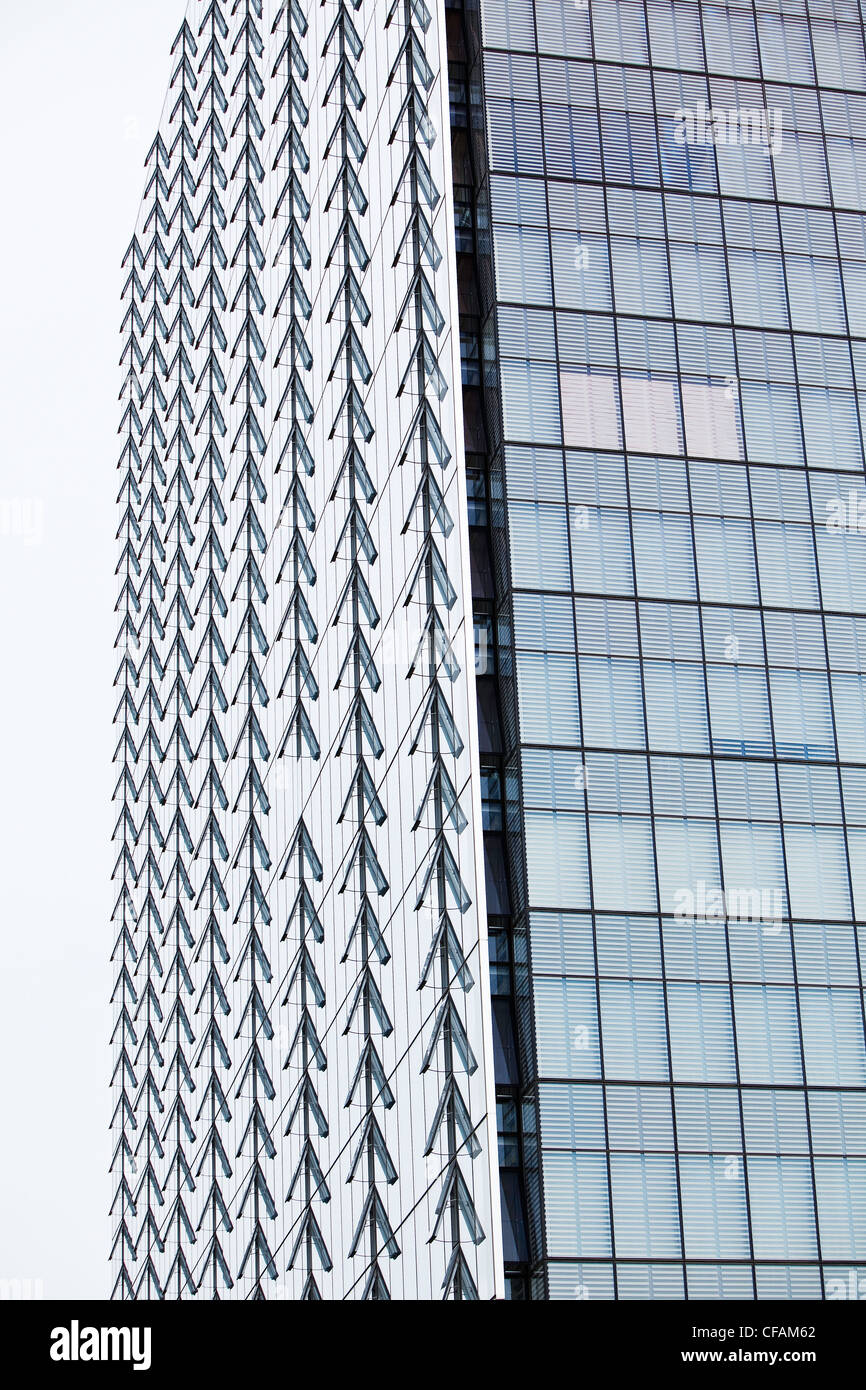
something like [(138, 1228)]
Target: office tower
[(492, 586), (304, 1085)]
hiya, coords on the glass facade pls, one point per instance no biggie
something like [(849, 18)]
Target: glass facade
[(672, 271), (303, 1100), (491, 760)]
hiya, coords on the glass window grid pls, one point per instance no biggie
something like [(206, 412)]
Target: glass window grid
[(807, 1188)]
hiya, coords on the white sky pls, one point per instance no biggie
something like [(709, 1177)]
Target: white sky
[(81, 89)]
